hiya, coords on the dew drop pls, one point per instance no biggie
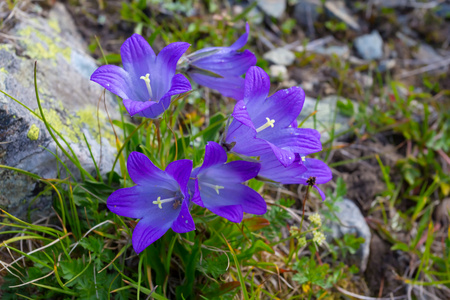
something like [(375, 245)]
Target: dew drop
[(107, 84)]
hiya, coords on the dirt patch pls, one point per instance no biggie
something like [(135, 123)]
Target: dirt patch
[(363, 177)]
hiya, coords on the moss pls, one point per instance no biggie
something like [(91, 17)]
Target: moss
[(46, 48), (33, 133)]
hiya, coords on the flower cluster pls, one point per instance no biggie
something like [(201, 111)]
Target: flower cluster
[(263, 127)]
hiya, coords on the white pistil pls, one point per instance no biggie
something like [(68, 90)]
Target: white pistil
[(269, 123), (214, 186), (303, 158), (159, 201), (147, 83)]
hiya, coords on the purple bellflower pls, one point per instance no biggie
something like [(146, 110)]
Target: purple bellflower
[(217, 185), (262, 125), (147, 81), (220, 68), (299, 172), (160, 199)]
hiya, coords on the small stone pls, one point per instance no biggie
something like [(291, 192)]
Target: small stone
[(338, 10), (279, 71), (370, 46), (273, 8), (280, 56), (351, 221)]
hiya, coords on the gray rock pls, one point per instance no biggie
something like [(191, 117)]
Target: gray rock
[(280, 56), (69, 101), (326, 109), (370, 46), (338, 10), (273, 8), (351, 221)]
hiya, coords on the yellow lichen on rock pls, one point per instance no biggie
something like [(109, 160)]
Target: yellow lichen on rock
[(53, 23), (72, 125), (46, 49), (33, 132)]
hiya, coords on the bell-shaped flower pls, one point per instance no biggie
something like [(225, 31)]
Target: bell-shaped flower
[(147, 81), (263, 125), (299, 172), (217, 185), (160, 199), (220, 68)]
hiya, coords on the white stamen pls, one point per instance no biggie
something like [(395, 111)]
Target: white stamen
[(214, 186), (147, 83), (303, 158), (269, 123), (159, 201)]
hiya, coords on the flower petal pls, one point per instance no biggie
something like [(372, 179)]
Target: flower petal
[(127, 202), (245, 140), (142, 171), (146, 232), (233, 172), (116, 80), (273, 169), (233, 213), (316, 168), (137, 202), (234, 194), (229, 86), (283, 107), (136, 107), (184, 222), (195, 192), (179, 85), (298, 140), (241, 115), (214, 155), (181, 170), (138, 60), (321, 193), (226, 62), (165, 67), (242, 40), (257, 86)]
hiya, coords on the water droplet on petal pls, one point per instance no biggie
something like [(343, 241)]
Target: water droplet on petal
[(107, 84)]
